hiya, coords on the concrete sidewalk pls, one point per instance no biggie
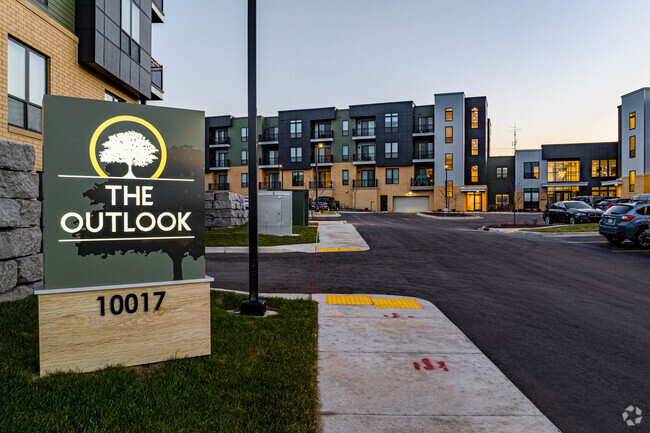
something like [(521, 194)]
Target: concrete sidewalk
[(334, 236), (411, 370)]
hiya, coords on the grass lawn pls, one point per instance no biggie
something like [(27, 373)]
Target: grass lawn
[(325, 212), (261, 377), (590, 227), (238, 237)]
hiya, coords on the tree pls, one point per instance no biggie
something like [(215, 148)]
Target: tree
[(130, 148)]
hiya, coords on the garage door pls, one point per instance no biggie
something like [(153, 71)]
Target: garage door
[(410, 204)]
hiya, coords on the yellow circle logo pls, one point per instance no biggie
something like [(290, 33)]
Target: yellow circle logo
[(145, 158)]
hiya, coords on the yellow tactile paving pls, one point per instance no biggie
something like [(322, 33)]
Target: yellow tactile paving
[(328, 250), (348, 300), (349, 249), (396, 303)]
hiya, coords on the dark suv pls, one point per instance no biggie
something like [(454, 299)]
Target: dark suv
[(591, 200), (571, 212), (626, 221), (324, 202)]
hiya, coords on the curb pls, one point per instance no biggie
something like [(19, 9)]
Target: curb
[(545, 234), (471, 217)]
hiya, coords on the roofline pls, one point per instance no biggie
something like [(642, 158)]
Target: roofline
[(636, 91)]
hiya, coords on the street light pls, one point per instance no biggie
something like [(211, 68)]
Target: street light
[(320, 146)]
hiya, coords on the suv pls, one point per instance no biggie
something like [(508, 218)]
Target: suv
[(641, 197), (591, 200), (324, 202), (626, 221)]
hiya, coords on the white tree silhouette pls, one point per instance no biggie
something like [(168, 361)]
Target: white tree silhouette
[(130, 148)]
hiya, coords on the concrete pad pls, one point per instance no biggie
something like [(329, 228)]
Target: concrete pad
[(457, 424), (389, 384)]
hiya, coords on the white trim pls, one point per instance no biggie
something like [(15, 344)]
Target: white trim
[(611, 182), (563, 184), (472, 189), (122, 286)]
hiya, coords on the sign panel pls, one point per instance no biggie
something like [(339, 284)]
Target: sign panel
[(123, 194)]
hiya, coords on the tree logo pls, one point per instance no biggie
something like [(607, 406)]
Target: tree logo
[(629, 415), (129, 147)]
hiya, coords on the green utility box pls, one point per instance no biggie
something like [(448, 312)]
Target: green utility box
[(300, 204)]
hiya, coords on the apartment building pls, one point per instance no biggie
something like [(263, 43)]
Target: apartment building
[(94, 49), (392, 156), (634, 141)]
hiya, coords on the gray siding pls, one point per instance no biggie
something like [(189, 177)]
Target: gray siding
[(456, 101)]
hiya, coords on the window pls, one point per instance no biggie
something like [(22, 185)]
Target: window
[(244, 180), (130, 37), (603, 167), (531, 170), (502, 199), (390, 122), (368, 179), (345, 128), (391, 150), (425, 124), (633, 120), (295, 128), (346, 177), (449, 161), (449, 186), (274, 157), (474, 118), (449, 114), (604, 190), (27, 83), (632, 180), (244, 157), (345, 153), (449, 134), (108, 96), (298, 178), (502, 172), (392, 176), (632, 146), (531, 198), (564, 171), (365, 128), (474, 173), (244, 134), (474, 146), (296, 154), (424, 151)]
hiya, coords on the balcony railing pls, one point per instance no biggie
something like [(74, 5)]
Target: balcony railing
[(321, 184), (364, 183), (364, 156), (270, 185), (221, 186), (219, 163), (219, 140), (269, 136), (363, 132), (322, 159), (421, 181), (424, 128), (423, 154), (317, 135), (267, 160), (298, 182), (157, 73)]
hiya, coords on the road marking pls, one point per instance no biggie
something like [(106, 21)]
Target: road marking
[(429, 366), (336, 250), (396, 303), (348, 300), (336, 315), (349, 249)]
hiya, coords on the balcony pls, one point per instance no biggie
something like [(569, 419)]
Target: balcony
[(220, 164), (424, 130), (221, 186), (156, 80), (323, 160), (269, 138), (269, 162), (364, 133), (321, 136), (421, 183), (363, 158), (157, 11), (423, 156), (270, 186), (364, 183), (322, 184), (219, 141)]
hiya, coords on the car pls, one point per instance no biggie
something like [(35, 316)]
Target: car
[(592, 200), (325, 203), (571, 212), (609, 202), (641, 197), (627, 220)]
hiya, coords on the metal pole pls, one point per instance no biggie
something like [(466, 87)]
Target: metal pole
[(252, 306), (316, 158)]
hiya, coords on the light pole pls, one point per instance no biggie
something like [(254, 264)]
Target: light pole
[(319, 146)]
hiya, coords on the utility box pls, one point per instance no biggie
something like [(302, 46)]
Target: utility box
[(275, 213), (300, 207)]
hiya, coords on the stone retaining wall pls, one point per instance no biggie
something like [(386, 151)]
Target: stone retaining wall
[(224, 209), (21, 258)]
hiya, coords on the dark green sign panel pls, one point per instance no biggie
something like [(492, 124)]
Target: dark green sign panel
[(123, 192)]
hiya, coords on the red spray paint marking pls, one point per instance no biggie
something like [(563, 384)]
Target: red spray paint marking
[(410, 317), (442, 365), (428, 365), (416, 365), (395, 316)]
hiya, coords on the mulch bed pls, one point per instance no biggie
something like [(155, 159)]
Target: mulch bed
[(448, 214)]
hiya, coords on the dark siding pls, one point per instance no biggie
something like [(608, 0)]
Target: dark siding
[(479, 133), (60, 10), (213, 122), (585, 153), (500, 186), (286, 142)]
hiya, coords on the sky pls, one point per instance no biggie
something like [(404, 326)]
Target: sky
[(556, 69)]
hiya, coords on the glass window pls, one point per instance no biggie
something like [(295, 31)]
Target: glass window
[(449, 161), (346, 177), (244, 157), (424, 151), (632, 180), (502, 199), (244, 134), (27, 83), (345, 152), (632, 146), (108, 96), (244, 180), (449, 134), (474, 146), (449, 114), (391, 150), (474, 173), (474, 118), (135, 23), (633, 120), (392, 176), (295, 128), (130, 37), (296, 154), (425, 124), (390, 122), (564, 171), (531, 198), (273, 133), (531, 170), (298, 178), (603, 167), (345, 127), (450, 188)]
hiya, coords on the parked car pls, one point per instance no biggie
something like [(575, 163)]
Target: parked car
[(626, 221), (571, 212), (641, 197), (325, 203), (609, 202), (592, 200)]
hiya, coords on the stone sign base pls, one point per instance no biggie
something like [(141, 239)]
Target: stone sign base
[(128, 325)]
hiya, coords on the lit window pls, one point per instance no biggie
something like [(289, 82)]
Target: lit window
[(474, 173), (449, 134), (531, 170), (244, 134), (563, 171), (27, 83), (295, 128), (474, 146), (632, 146), (502, 199), (450, 188), (603, 167), (474, 118), (449, 114), (392, 176), (633, 120), (502, 172), (449, 161), (632, 180)]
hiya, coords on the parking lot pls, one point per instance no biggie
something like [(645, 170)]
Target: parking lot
[(566, 318)]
